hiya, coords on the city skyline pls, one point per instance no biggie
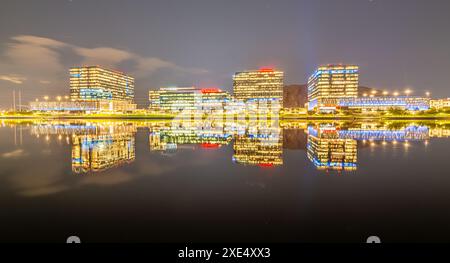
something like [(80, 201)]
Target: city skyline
[(150, 47)]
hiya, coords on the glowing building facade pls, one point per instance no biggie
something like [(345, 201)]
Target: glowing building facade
[(177, 99), (97, 84), (259, 84), (440, 103), (64, 106), (328, 84), (410, 103)]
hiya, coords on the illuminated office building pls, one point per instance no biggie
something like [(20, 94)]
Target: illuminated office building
[(259, 84), (439, 132), (328, 84), (327, 150), (410, 103), (114, 89), (440, 103), (95, 153), (64, 106), (177, 99)]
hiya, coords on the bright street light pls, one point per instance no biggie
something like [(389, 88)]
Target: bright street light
[(408, 91)]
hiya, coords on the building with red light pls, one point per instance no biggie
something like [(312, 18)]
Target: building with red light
[(261, 144), (265, 83), (178, 99)]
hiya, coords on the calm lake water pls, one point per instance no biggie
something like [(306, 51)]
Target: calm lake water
[(209, 181)]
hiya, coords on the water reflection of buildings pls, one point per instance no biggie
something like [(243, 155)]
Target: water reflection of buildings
[(327, 150), (100, 152), (258, 146), (254, 143), (95, 146), (409, 133), (330, 146), (205, 134)]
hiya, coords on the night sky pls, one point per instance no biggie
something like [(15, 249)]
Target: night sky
[(398, 44)]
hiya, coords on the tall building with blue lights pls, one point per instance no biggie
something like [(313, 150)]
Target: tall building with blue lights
[(328, 84), (409, 103), (95, 83)]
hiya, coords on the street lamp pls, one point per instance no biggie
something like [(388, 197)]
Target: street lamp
[(58, 98), (45, 97), (407, 92), (385, 93), (396, 93), (428, 93)]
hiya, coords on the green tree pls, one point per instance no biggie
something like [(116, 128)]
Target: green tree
[(397, 111)]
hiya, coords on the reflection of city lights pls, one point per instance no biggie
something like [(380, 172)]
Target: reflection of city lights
[(394, 142), (384, 143), (60, 137), (426, 142), (265, 165), (47, 138)]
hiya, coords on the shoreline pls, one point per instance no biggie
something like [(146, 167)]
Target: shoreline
[(293, 118)]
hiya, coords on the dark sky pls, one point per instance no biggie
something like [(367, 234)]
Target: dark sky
[(396, 43)]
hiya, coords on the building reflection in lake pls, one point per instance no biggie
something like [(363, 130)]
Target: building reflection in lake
[(335, 145), (327, 150), (110, 146), (94, 153), (95, 146), (101, 145), (260, 144), (205, 134), (255, 143)]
